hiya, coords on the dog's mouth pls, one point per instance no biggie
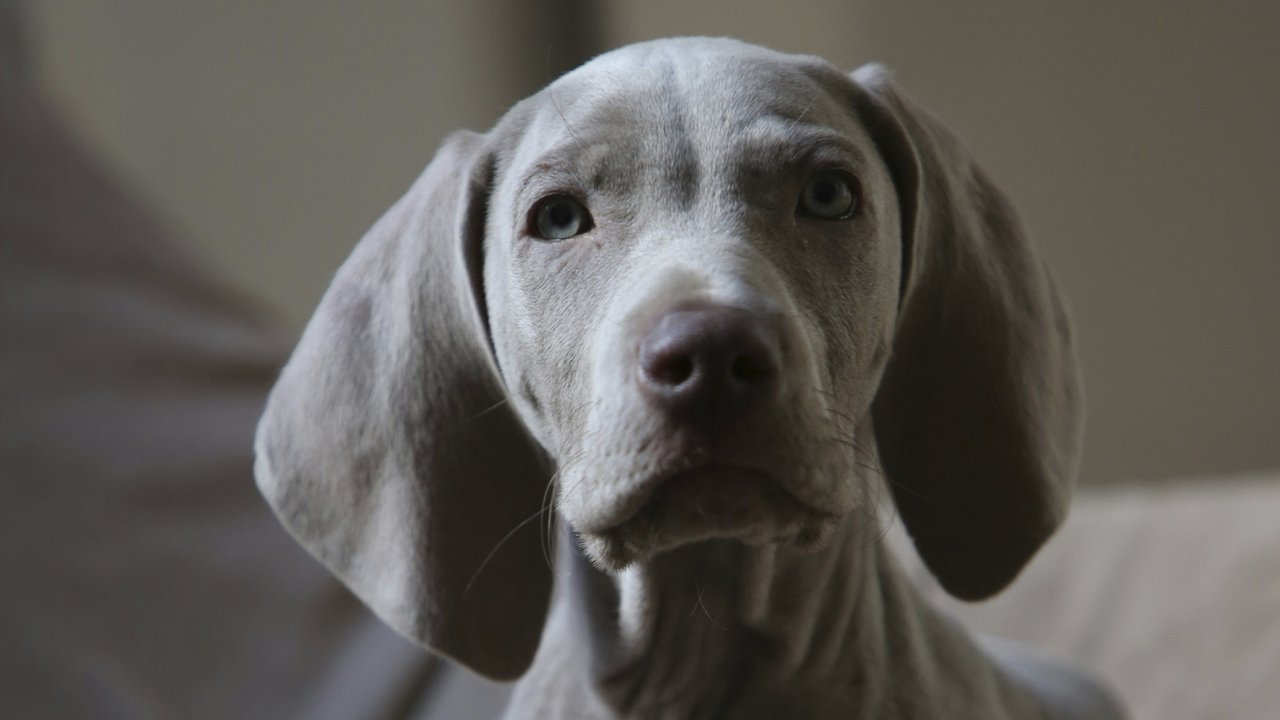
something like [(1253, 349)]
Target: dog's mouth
[(709, 502)]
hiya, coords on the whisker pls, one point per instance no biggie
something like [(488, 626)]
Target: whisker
[(906, 488), (869, 460), (477, 416), (697, 587), (808, 107), (546, 533), (841, 415), (556, 104), (495, 549)]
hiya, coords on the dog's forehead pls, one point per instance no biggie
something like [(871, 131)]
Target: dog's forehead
[(704, 73), (682, 105)]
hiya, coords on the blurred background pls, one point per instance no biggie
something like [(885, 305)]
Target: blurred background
[(1140, 141)]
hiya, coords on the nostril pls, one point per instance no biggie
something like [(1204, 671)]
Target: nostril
[(751, 369), (672, 369)]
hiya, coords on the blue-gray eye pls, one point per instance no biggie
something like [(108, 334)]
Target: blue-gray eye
[(560, 217), (829, 195)]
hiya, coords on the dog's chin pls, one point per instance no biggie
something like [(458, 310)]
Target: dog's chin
[(705, 504)]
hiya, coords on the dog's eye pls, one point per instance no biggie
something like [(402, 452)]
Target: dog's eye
[(829, 195), (560, 217)]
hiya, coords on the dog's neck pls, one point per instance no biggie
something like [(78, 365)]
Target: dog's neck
[(699, 625), (719, 629)]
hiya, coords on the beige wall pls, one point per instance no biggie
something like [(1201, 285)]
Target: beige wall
[(274, 132), (1141, 140)]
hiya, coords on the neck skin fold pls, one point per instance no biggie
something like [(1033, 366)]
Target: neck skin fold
[(696, 625), (722, 629)]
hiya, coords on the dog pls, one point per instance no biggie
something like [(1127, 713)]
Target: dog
[(694, 303)]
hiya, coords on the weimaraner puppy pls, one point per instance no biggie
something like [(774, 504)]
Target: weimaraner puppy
[(693, 302)]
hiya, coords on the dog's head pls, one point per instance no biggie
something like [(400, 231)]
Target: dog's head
[(687, 291)]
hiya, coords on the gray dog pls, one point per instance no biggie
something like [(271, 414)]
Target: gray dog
[(694, 301)]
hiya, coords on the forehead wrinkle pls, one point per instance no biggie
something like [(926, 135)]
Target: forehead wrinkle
[(617, 128), (769, 114), (561, 164), (740, 96), (679, 158), (773, 149), (569, 137), (792, 142), (582, 161), (644, 116)]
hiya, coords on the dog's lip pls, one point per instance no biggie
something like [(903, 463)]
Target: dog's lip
[(663, 486), (706, 502)]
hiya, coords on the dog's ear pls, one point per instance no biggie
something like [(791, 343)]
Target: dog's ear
[(978, 417), (388, 447)]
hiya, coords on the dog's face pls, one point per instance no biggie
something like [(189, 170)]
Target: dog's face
[(692, 270)]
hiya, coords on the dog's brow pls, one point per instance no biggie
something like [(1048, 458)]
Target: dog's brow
[(584, 165), (788, 142), (557, 167), (570, 164)]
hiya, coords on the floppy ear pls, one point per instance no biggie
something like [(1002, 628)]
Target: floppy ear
[(978, 417), (388, 448)]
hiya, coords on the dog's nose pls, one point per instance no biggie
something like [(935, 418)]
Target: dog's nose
[(713, 362)]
